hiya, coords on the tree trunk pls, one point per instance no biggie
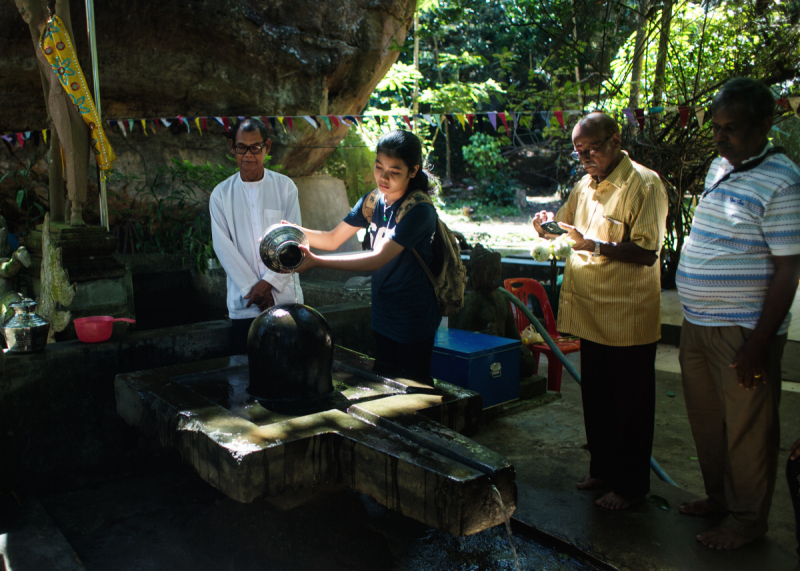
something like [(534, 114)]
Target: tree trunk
[(659, 83), (415, 103), (444, 123), (638, 53), (575, 37)]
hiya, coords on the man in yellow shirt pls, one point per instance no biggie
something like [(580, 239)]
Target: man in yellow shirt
[(611, 299)]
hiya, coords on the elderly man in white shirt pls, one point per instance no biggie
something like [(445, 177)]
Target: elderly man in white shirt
[(242, 208)]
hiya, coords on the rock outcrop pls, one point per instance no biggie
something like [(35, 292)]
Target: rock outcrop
[(221, 58)]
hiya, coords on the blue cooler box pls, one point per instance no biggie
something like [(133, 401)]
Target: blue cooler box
[(482, 363)]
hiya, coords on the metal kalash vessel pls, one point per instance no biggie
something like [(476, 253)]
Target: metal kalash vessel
[(290, 347), (26, 332)]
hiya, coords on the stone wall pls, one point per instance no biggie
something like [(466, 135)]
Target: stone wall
[(219, 58)]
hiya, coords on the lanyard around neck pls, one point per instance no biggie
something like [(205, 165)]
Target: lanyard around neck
[(750, 165)]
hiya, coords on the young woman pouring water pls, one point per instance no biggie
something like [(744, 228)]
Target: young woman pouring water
[(405, 313)]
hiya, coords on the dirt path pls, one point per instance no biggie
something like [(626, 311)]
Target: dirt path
[(504, 232)]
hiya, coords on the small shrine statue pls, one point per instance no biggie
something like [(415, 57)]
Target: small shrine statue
[(75, 126), (55, 290), (486, 311), (10, 265)]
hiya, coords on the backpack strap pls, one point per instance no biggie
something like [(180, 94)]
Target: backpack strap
[(414, 198), (425, 267), (368, 206), (410, 201)]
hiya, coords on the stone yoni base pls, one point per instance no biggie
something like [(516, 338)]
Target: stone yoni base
[(392, 439)]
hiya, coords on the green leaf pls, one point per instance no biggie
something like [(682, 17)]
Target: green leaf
[(20, 197), (659, 502)]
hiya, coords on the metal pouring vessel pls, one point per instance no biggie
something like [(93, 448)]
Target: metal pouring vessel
[(26, 332), (280, 247)]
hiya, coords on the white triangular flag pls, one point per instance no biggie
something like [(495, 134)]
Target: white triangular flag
[(794, 103)]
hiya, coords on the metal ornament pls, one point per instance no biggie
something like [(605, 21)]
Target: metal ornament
[(26, 332)]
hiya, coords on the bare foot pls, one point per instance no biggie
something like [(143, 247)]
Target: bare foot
[(722, 538), (614, 501), (589, 483), (699, 507), (76, 219)]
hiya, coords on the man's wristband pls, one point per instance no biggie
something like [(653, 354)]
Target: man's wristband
[(596, 253)]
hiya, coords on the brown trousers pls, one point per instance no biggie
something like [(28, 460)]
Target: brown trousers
[(736, 431)]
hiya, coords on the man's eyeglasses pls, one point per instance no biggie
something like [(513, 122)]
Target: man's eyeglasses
[(575, 155), (241, 148)]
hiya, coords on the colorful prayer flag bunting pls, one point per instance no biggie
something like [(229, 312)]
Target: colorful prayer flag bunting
[(628, 112), (560, 118), (794, 103), (502, 117), (493, 119), (701, 113), (684, 113), (640, 118)]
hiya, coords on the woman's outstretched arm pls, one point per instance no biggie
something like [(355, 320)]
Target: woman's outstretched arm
[(328, 240), (384, 251)]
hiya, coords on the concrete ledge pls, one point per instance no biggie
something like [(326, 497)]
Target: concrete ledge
[(57, 418)]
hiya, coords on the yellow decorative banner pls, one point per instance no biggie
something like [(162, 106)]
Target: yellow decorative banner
[(57, 47)]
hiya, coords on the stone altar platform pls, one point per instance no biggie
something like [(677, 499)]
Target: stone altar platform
[(392, 439)]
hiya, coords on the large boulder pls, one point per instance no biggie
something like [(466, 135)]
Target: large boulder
[(221, 58)]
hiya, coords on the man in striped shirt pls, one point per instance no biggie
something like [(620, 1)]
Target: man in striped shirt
[(737, 279), (611, 299)]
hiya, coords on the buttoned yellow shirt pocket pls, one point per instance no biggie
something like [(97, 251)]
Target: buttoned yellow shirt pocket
[(604, 300)]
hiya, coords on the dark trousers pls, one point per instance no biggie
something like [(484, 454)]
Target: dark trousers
[(619, 405), (239, 330), (793, 479), (410, 359)]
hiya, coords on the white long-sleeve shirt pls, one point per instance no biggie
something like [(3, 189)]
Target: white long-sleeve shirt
[(240, 213)]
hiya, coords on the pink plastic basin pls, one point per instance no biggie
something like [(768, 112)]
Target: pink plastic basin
[(96, 329)]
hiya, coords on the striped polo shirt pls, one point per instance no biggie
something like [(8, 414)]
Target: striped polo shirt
[(603, 300), (726, 263)]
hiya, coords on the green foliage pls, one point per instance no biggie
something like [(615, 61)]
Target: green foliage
[(25, 196), (706, 47), (487, 165), (169, 214), (483, 156), (500, 189), (481, 210), (353, 162)]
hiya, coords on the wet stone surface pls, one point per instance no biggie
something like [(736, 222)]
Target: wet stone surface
[(394, 440)]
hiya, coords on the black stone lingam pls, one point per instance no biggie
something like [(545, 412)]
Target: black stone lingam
[(291, 354)]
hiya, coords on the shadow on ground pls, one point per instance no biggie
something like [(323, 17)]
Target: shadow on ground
[(547, 448)]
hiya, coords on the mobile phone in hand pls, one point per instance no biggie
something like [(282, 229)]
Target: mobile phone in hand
[(553, 228)]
